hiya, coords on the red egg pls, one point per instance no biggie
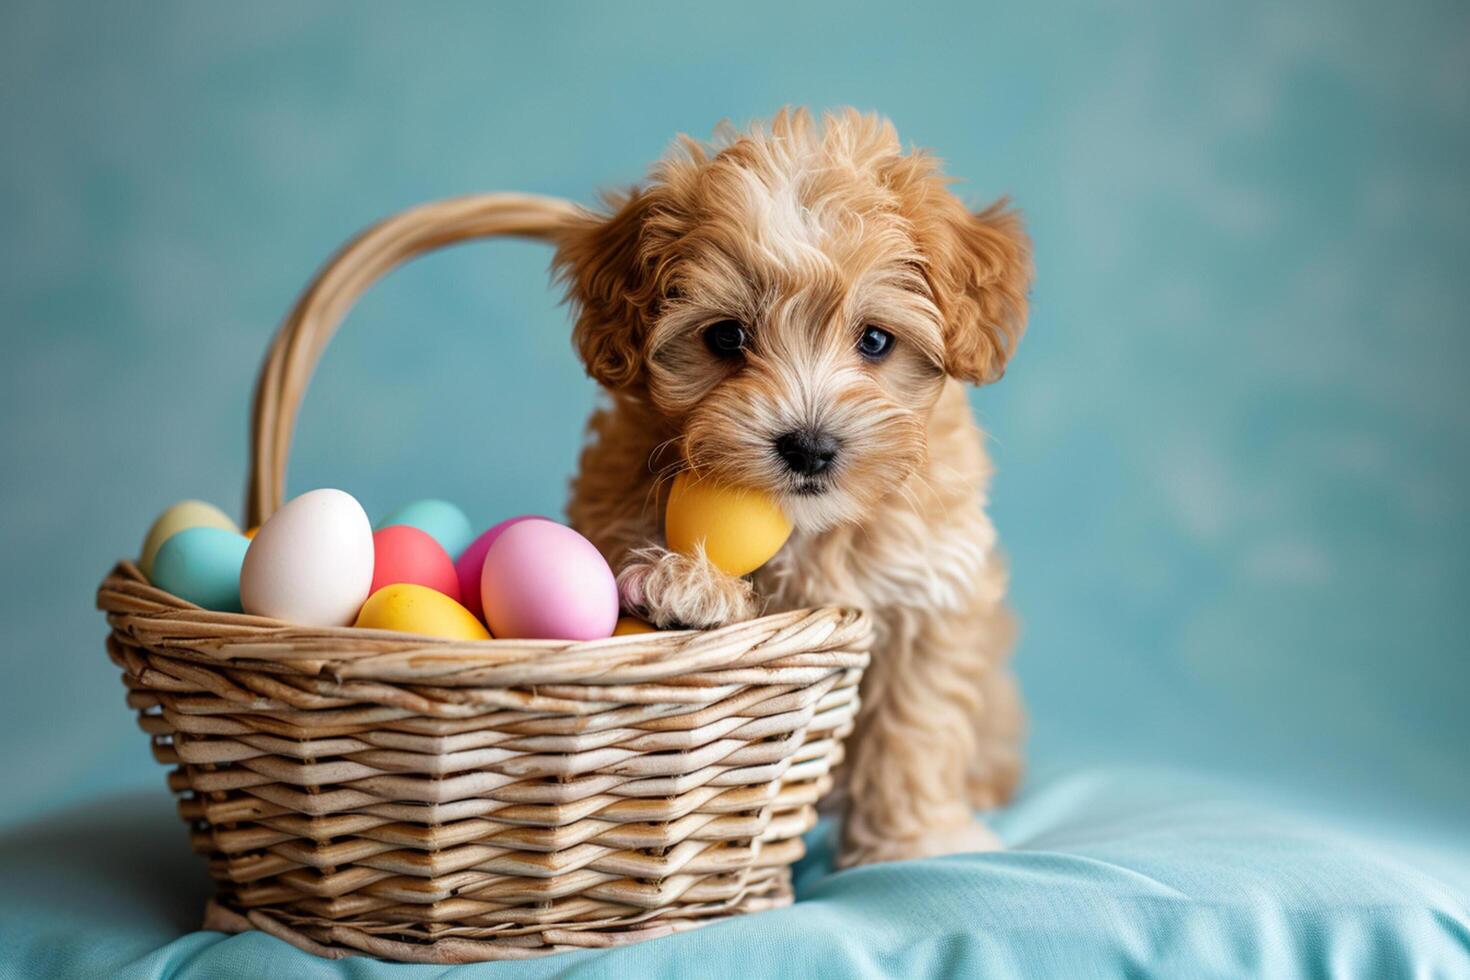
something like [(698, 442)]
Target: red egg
[(406, 554)]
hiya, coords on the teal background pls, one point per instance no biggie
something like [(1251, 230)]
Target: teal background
[(1233, 451)]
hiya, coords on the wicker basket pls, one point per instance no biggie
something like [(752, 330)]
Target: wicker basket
[(426, 800)]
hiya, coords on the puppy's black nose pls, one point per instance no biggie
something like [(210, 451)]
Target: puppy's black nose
[(807, 452)]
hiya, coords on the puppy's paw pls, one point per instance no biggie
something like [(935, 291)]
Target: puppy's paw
[(670, 589), (970, 837)]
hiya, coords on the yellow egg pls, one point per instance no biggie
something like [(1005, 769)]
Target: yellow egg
[(181, 516), (740, 529), (408, 608), (629, 625)]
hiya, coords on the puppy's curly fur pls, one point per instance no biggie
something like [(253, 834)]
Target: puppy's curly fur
[(804, 235)]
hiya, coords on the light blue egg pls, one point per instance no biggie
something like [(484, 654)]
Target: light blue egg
[(439, 519), (202, 565)]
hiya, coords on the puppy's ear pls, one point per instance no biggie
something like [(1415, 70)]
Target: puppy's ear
[(609, 271), (980, 270)]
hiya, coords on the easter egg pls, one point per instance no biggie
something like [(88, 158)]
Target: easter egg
[(542, 580), (408, 608), (202, 565), (470, 563), (632, 625), (740, 529), (184, 514), (440, 519), (311, 563), (405, 554)]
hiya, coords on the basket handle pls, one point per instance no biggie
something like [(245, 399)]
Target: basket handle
[(372, 254)]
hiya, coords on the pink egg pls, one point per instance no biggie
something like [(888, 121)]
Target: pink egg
[(406, 554), (543, 580), (468, 565)]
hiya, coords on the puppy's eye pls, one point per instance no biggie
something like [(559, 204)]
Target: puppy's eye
[(875, 343), (725, 339)]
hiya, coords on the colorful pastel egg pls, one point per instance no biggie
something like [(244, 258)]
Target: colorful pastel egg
[(739, 529), (408, 608), (440, 519), (542, 580), (631, 626), (311, 563), (405, 554), (182, 515), (470, 563), (202, 565)]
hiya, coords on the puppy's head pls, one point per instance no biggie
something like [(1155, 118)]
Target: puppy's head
[(792, 299)]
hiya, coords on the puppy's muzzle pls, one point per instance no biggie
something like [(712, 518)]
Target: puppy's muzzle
[(807, 453)]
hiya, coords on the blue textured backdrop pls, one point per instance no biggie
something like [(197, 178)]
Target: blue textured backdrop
[(1233, 451)]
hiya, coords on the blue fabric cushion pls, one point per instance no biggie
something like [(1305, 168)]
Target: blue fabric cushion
[(1109, 873)]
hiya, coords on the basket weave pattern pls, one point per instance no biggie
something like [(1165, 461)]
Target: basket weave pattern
[(417, 799)]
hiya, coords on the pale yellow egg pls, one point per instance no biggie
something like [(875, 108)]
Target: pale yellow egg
[(407, 608), (740, 529)]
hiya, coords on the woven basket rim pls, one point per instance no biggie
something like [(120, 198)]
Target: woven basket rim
[(168, 623)]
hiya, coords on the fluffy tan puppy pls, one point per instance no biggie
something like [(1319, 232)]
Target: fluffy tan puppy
[(796, 308)]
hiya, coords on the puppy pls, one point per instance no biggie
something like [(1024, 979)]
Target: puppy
[(796, 308)]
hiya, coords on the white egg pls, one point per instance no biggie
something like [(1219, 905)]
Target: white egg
[(311, 563)]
